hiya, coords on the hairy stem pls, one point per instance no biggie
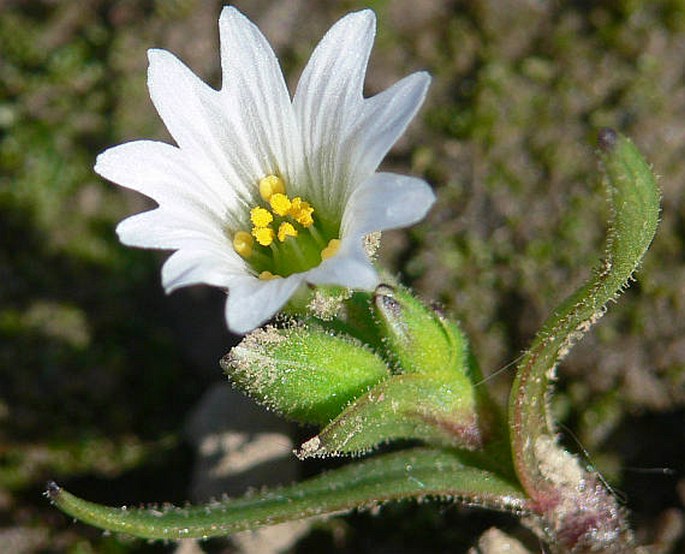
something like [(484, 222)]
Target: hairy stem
[(577, 510)]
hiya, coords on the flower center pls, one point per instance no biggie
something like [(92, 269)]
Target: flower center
[(285, 238)]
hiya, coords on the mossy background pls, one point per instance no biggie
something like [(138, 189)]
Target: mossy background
[(98, 369)]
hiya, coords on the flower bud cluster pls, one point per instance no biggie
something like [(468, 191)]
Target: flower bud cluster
[(417, 382)]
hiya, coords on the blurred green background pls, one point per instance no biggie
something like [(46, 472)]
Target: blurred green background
[(99, 370)]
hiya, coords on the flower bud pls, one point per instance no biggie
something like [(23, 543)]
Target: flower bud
[(302, 372), (416, 336)]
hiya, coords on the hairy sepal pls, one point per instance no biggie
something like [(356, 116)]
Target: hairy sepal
[(303, 372), (438, 409)]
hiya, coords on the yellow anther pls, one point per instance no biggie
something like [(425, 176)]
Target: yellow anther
[(301, 212), (267, 276), (260, 217), (331, 250), (286, 230), (270, 185), (280, 203), (242, 243), (264, 235)]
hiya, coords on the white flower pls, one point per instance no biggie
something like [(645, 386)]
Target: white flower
[(263, 194)]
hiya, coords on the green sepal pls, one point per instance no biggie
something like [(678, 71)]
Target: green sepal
[(439, 409), (416, 336), (303, 372)]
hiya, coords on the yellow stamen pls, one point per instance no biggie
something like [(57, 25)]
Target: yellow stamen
[(260, 217), (301, 212), (286, 230), (267, 276), (270, 185), (280, 203), (331, 250), (242, 244), (264, 235)]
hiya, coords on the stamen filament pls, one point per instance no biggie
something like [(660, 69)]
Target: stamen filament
[(276, 253), (296, 248), (259, 258), (320, 240)]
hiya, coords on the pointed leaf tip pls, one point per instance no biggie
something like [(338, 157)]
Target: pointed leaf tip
[(607, 139), (52, 490)]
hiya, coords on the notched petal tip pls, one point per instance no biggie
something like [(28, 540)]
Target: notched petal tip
[(229, 11), (163, 67), (424, 196), (133, 231), (387, 201), (110, 160)]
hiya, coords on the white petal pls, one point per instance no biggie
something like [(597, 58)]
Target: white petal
[(169, 229), (350, 267), (182, 100), (204, 263), (252, 302), (256, 94), (329, 97), (165, 174), (383, 119), (327, 143), (203, 123), (386, 201)]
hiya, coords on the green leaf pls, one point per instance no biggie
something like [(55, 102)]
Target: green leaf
[(548, 474), (413, 473)]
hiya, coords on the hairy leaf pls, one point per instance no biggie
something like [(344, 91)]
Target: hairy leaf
[(554, 479), (413, 473)]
